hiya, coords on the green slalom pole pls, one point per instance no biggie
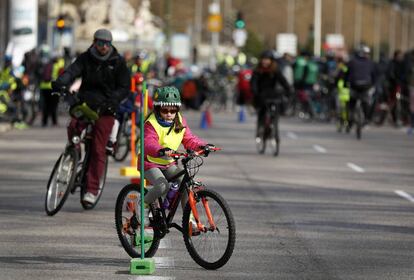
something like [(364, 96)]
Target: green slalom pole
[(141, 158), (142, 266)]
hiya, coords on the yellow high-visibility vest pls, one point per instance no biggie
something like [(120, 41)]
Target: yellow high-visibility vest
[(172, 140)]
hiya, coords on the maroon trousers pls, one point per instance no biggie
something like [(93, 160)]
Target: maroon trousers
[(100, 135)]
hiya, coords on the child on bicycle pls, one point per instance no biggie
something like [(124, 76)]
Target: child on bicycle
[(165, 129)]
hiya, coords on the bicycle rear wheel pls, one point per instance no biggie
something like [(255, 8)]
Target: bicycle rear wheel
[(128, 224), (213, 247), (359, 120), (61, 181), (122, 140), (102, 180)]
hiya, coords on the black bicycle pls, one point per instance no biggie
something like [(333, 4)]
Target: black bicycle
[(69, 172), (208, 226), (123, 138), (269, 129)]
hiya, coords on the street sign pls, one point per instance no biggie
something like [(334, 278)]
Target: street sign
[(286, 43), (239, 37), (215, 23), (180, 46)]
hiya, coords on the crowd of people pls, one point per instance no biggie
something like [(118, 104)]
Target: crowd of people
[(324, 88)]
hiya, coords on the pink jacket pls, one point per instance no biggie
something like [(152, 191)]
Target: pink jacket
[(151, 145)]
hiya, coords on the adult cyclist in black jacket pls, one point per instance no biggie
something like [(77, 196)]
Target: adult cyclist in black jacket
[(361, 77), (105, 83), (264, 83)]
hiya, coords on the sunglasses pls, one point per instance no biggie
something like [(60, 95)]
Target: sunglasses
[(166, 111), (101, 43)]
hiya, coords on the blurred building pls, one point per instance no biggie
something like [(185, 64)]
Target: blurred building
[(374, 22)]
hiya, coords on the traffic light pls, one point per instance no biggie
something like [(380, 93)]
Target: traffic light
[(239, 23), (60, 23)]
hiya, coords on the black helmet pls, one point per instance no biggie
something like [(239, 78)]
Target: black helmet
[(267, 54)]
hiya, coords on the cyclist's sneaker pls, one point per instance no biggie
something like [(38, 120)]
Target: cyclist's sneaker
[(192, 226), (110, 148), (20, 125), (89, 198)]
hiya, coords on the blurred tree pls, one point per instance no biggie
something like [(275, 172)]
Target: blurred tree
[(254, 46)]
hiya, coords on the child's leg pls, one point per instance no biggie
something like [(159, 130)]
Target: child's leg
[(114, 132), (170, 172), (159, 184)]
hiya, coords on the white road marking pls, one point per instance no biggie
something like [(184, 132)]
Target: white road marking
[(319, 149), (292, 135), (355, 167), (164, 262), (405, 195), (153, 277)]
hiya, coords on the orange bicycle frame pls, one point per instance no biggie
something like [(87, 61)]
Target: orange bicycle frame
[(192, 202)]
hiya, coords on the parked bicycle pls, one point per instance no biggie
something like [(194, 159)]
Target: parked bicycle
[(69, 171), (208, 225), (269, 129)]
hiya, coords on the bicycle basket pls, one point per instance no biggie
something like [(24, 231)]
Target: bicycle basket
[(194, 165)]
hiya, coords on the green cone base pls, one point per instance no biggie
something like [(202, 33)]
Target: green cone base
[(142, 266)]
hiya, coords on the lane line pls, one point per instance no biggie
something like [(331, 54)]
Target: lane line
[(355, 167), (319, 149), (153, 278), (404, 195), (292, 135)]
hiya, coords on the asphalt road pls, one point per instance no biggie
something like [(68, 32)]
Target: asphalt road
[(329, 207)]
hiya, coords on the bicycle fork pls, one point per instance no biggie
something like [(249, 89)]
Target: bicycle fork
[(200, 226)]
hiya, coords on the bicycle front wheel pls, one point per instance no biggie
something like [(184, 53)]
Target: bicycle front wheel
[(102, 180), (212, 247), (61, 181), (128, 224)]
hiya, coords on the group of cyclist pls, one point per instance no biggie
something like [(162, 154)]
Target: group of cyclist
[(329, 87)]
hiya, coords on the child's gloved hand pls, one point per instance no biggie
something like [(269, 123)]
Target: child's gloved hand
[(165, 152), (207, 149)]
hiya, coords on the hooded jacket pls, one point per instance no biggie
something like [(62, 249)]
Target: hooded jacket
[(103, 81)]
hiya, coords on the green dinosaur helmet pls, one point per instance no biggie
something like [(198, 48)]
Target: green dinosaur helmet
[(167, 96)]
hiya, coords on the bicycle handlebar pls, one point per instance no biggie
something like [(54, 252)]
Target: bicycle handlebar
[(190, 153)]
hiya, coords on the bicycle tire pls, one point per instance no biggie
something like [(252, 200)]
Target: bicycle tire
[(123, 145), (359, 121), (199, 254), (130, 241), (102, 180), (274, 140), (261, 140), (72, 156)]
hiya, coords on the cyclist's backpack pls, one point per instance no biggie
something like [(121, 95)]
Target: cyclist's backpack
[(299, 69), (47, 72), (189, 89), (312, 73)]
